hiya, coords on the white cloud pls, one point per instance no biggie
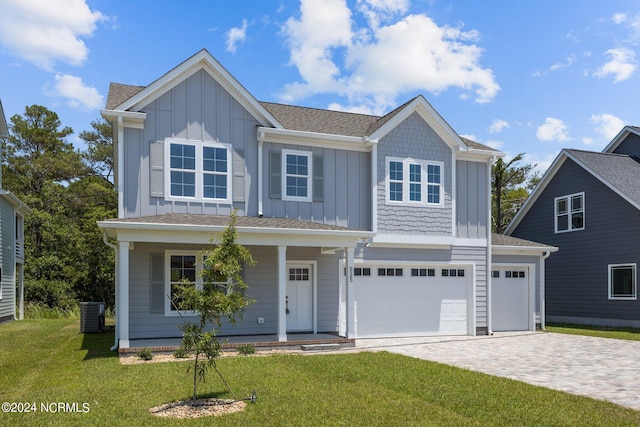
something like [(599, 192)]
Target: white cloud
[(77, 94), (587, 140), (236, 35), (498, 125), (45, 31), (552, 130), (568, 62), (607, 125), (622, 64), (619, 18), (377, 63)]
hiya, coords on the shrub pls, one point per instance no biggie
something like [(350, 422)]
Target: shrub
[(246, 349), (180, 353), (145, 353)]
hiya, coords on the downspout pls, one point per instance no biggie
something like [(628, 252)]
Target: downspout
[(489, 255), (260, 142), (115, 249), (543, 260)]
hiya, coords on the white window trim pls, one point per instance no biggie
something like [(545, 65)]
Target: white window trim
[(555, 212), (199, 172), (309, 156), (167, 281), (635, 282), (406, 183)]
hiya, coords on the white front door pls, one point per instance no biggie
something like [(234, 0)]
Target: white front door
[(299, 300)]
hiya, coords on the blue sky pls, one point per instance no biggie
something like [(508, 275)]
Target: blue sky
[(531, 77)]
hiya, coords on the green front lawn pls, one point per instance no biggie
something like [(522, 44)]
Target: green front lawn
[(620, 333), (49, 361)]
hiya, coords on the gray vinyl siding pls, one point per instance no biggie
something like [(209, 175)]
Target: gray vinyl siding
[(346, 183), (472, 208), (197, 109), (577, 275), (7, 260), (414, 139), (630, 145), (476, 256), (145, 322)]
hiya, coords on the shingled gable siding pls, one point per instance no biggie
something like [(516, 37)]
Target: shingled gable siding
[(414, 139), (630, 146), (340, 187), (196, 109), (577, 275)]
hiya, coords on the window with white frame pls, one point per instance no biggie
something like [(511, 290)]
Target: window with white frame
[(297, 175), (569, 213), (198, 170), (622, 281), (414, 182)]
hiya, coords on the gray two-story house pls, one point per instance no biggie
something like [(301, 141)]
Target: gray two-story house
[(588, 204), (12, 214), (361, 225)]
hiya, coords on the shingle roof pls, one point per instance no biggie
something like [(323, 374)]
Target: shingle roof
[(223, 221), (620, 171), (118, 93), (504, 240)]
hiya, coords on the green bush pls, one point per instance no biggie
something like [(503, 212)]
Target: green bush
[(145, 353), (50, 293), (246, 349), (180, 353), (38, 310)]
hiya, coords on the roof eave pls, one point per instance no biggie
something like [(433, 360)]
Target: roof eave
[(286, 136)]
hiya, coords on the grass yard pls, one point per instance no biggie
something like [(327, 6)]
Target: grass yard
[(49, 361), (620, 333)]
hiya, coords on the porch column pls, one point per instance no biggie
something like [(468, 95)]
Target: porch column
[(282, 293), (351, 307), (122, 314)]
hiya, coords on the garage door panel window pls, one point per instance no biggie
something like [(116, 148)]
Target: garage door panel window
[(423, 272), (358, 271), (514, 274), (390, 272), (452, 272), (622, 281)]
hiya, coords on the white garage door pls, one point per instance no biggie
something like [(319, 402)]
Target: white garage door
[(411, 301), (510, 299)]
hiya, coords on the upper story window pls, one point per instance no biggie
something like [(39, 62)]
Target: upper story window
[(569, 213), (414, 182), (297, 175), (198, 170)]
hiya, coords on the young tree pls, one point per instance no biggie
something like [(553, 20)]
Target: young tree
[(99, 154), (509, 190), (222, 297)]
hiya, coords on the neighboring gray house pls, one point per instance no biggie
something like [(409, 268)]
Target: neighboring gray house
[(12, 213), (362, 226), (588, 205)]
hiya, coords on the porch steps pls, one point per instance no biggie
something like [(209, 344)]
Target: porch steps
[(320, 347)]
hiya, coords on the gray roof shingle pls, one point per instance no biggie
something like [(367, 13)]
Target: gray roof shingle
[(620, 171), (118, 93), (504, 240)]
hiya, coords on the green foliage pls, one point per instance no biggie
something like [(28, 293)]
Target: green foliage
[(222, 297), (510, 186), (180, 353), (246, 349), (66, 260), (145, 353)]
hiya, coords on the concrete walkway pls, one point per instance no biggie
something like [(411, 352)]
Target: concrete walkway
[(599, 368)]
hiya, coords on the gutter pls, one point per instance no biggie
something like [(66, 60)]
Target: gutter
[(115, 248)]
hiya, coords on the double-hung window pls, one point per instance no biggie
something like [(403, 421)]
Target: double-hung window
[(414, 182), (198, 171), (297, 175), (622, 281), (569, 213)]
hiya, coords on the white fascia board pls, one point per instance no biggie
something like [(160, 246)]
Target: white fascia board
[(520, 250), (130, 119), (312, 139), (202, 60), (621, 136), (473, 154), (18, 204), (198, 234), (422, 241), (537, 191)]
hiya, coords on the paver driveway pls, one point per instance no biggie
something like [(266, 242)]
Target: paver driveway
[(600, 368)]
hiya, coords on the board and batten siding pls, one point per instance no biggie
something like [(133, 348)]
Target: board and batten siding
[(340, 187), (147, 319), (577, 275), (7, 260), (197, 109), (414, 139), (472, 199)]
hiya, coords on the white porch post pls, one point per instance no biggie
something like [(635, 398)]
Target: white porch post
[(351, 307), (123, 294), (282, 293)]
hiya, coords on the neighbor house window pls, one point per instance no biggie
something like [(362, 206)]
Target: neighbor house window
[(569, 213), (297, 175), (198, 170), (622, 281), (414, 182)]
